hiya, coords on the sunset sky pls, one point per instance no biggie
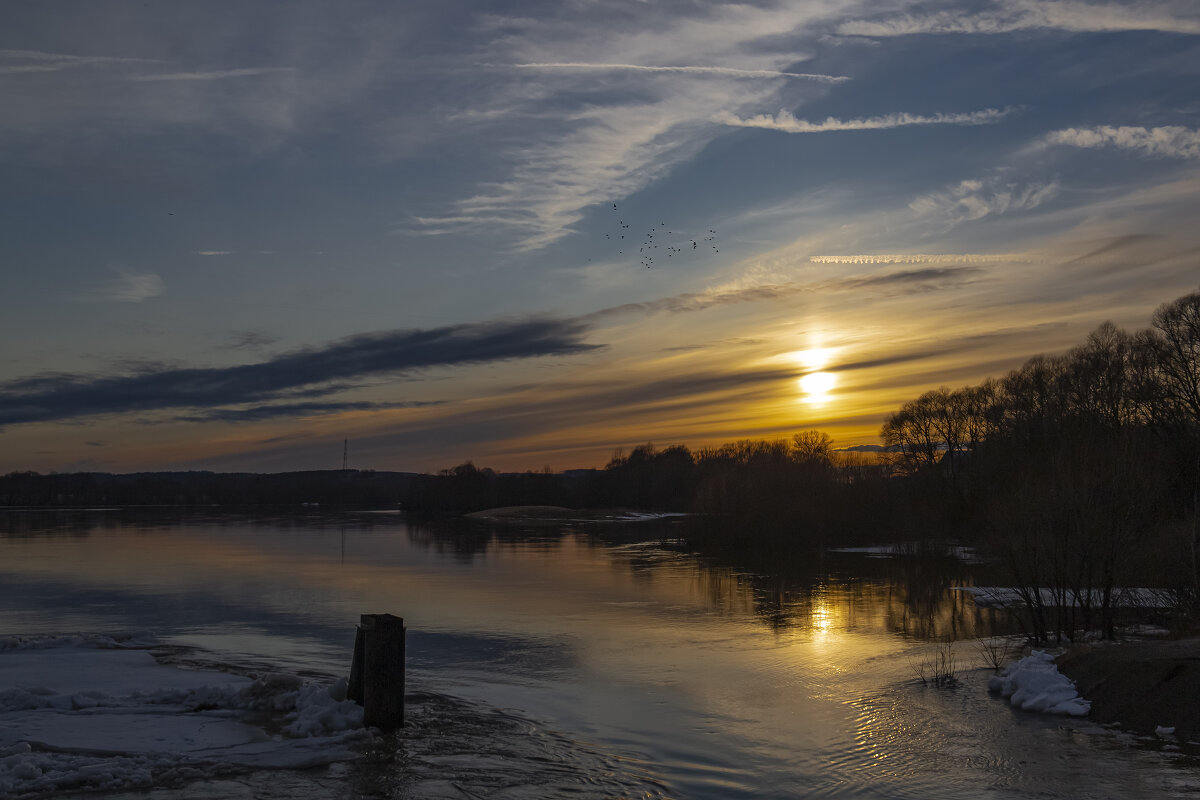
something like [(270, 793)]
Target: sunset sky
[(235, 234)]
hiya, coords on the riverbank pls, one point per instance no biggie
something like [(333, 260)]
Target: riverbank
[(1143, 685)]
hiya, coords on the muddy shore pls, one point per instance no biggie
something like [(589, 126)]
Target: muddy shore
[(1141, 685)]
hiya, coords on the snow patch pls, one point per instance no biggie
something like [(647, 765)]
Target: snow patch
[(1035, 684)]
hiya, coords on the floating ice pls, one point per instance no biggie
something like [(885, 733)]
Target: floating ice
[(89, 712), (1035, 684)]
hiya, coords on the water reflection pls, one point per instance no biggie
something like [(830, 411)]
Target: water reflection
[(681, 674), (467, 539)]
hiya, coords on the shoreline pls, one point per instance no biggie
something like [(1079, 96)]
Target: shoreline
[(1140, 685)]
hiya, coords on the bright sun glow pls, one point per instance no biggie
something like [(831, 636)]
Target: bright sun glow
[(817, 386), (813, 357)]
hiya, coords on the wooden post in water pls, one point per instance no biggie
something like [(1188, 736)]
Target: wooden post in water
[(354, 688), (377, 671)]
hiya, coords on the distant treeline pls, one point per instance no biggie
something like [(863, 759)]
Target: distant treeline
[(756, 492), (329, 487)]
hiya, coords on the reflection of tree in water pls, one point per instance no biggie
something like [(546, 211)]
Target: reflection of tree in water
[(910, 594), (30, 524), (466, 539)]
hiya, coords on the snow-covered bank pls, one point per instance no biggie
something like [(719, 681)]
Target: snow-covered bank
[(561, 514), (1034, 684), (967, 555), (1012, 597), (93, 712)]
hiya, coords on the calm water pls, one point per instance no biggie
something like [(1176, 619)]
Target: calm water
[(586, 662)]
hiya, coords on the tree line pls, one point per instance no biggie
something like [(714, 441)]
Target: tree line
[(755, 491), (1081, 471)]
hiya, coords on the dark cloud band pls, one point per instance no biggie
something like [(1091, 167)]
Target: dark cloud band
[(311, 372)]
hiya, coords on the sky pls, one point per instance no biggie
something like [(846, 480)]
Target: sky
[(259, 236)]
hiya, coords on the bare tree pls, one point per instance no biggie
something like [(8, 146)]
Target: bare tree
[(1176, 342), (1100, 379)]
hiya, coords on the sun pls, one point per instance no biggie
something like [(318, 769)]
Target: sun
[(817, 386)]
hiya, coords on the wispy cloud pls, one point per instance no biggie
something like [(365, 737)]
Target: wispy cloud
[(129, 287), (594, 144), (1018, 15), (788, 123), (17, 61), (1170, 141), (923, 280), (728, 72), (296, 410), (214, 252), (212, 75), (308, 373), (925, 258), (250, 339), (603, 409), (976, 199)]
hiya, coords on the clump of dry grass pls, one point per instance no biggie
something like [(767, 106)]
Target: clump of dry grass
[(938, 668)]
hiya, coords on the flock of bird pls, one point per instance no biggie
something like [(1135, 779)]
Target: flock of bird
[(660, 242)]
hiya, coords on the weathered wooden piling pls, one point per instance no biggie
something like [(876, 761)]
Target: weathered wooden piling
[(377, 670)]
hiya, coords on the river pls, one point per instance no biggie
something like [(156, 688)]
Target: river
[(581, 660)]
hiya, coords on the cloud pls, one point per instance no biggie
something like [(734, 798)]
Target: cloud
[(940, 348), (1115, 247), (785, 121), (729, 72), (309, 372), (976, 199), (249, 339), (597, 134), (926, 258), (1170, 141), (214, 252), (923, 280), (36, 61), (130, 287), (601, 409), (212, 75), (296, 410), (1018, 15)]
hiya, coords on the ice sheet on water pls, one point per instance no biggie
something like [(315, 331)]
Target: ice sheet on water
[(92, 641), (1034, 684), (90, 713), (98, 712)]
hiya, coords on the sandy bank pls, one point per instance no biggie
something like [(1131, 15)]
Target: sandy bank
[(1140, 684)]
